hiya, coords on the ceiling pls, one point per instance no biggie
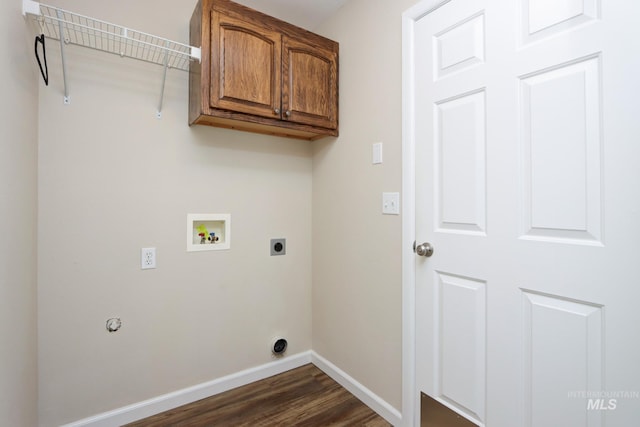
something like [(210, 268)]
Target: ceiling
[(307, 14)]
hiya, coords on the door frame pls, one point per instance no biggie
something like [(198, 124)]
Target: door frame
[(410, 409)]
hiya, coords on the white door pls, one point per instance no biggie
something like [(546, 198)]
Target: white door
[(524, 119)]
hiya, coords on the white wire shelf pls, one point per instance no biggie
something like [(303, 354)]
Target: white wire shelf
[(72, 28), (107, 37)]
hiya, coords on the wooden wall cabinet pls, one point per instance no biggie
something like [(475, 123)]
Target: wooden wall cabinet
[(260, 74)]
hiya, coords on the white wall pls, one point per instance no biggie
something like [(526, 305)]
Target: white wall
[(113, 179), (357, 288), (18, 171)]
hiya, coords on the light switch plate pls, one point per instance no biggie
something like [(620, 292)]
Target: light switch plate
[(376, 157), (391, 203)]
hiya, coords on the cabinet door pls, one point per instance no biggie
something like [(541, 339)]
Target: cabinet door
[(245, 67), (310, 83)]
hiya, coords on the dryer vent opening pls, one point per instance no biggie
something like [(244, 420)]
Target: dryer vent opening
[(279, 346)]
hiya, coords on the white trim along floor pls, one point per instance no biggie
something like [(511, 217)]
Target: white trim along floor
[(172, 400)]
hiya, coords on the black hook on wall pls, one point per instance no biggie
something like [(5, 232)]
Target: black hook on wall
[(45, 72)]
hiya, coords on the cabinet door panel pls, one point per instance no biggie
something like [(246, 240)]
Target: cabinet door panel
[(246, 77), (310, 84)]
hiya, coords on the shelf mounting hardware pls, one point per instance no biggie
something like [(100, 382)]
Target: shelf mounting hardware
[(72, 28), (63, 41), (164, 78)]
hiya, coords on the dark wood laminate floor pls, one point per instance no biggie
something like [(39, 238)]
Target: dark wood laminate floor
[(304, 396)]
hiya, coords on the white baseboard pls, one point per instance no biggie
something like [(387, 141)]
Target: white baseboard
[(172, 400), (373, 401)]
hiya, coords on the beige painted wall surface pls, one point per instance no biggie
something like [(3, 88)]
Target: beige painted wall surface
[(113, 179), (18, 172), (357, 306)]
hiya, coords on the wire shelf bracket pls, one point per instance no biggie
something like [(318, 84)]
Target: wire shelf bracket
[(72, 28)]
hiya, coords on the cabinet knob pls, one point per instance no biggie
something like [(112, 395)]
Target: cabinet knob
[(287, 113), (276, 111)]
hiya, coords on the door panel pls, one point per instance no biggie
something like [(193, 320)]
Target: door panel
[(451, 201), (461, 194), (462, 342), (460, 46), (551, 323), (523, 120), (562, 153), (247, 76), (543, 18), (310, 84)]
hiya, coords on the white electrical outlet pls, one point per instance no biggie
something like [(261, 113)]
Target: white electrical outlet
[(148, 258)]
